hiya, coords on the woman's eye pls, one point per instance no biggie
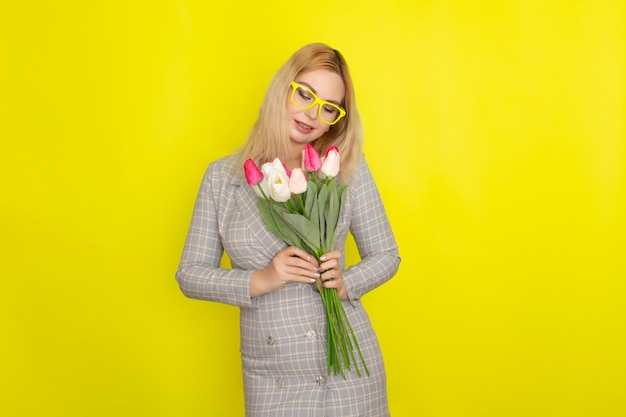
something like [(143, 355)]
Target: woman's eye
[(330, 109), (304, 95)]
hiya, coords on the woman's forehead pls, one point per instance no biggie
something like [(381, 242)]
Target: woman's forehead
[(326, 84)]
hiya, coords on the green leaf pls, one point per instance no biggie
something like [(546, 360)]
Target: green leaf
[(332, 214), (311, 196), (266, 213), (278, 225), (341, 190), (304, 228), (322, 204), (336, 212)]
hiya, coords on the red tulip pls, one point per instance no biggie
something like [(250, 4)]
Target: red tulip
[(253, 173), (310, 159)]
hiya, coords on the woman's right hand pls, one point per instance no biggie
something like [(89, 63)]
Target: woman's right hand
[(289, 265)]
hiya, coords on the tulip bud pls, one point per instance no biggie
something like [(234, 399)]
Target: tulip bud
[(277, 180), (297, 181), (310, 159), (253, 173), (332, 162)]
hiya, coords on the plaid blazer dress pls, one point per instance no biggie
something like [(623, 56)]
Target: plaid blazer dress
[(283, 333)]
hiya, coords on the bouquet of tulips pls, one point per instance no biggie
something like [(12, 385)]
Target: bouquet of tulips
[(304, 212)]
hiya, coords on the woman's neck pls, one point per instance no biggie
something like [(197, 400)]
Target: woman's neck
[(294, 162)]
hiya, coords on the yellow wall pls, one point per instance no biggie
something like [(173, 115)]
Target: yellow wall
[(495, 130)]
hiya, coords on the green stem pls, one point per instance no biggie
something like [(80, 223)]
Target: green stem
[(263, 192), (303, 207), (341, 337), (356, 343)]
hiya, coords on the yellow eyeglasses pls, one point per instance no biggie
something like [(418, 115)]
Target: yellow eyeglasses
[(304, 98)]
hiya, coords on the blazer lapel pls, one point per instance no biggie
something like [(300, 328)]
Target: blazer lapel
[(247, 203)]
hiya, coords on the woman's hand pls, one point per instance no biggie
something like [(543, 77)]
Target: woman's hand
[(289, 265), (332, 273)]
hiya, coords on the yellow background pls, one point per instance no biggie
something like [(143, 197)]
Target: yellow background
[(496, 133)]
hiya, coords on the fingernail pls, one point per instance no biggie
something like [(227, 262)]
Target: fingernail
[(323, 257), (317, 275), (308, 257), (316, 268), (312, 280)]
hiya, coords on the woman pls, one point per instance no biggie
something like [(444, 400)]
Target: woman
[(283, 323)]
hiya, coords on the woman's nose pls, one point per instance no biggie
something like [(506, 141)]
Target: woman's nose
[(313, 112)]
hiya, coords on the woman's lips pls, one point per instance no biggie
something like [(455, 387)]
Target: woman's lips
[(303, 127)]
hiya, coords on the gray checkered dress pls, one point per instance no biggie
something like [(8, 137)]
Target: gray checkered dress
[(283, 333)]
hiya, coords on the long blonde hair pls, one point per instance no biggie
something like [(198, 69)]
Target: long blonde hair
[(269, 136)]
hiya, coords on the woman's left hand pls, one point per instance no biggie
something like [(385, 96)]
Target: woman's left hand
[(332, 275)]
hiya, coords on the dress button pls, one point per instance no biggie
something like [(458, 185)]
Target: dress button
[(269, 340), (320, 380), (311, 334), (280, 383)]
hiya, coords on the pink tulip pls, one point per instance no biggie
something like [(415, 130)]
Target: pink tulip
[(310, 159), (332, 162), (297, 181), (253, 173)]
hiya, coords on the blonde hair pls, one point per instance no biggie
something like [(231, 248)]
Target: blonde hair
[(269, 136)]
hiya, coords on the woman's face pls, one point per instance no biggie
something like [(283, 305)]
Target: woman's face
[(305, 125)]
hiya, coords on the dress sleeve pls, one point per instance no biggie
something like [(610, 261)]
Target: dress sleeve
[(374, 238), (199, 274)]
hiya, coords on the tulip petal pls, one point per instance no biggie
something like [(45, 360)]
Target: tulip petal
[(332, 162), (297, 181), (310, 158), (253, 173)]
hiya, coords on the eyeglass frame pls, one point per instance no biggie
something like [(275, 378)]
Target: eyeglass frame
[(317, 100)]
